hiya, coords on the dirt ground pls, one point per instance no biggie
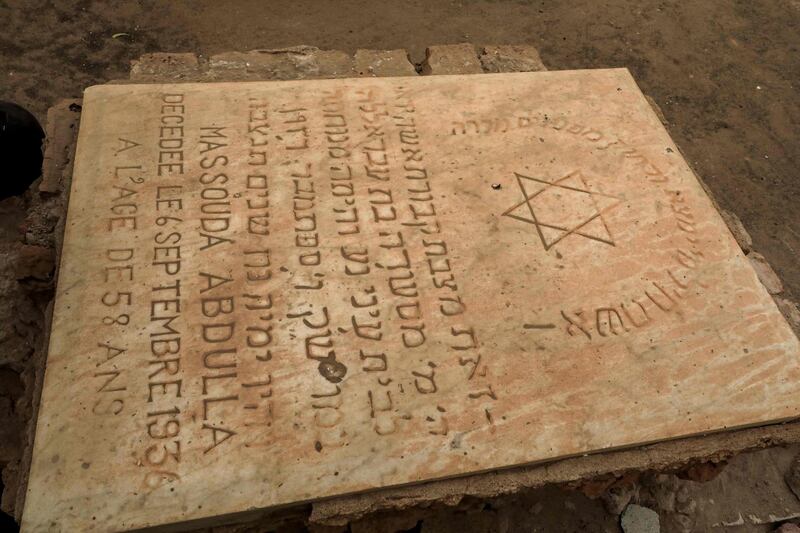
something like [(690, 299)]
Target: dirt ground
[(725, 75)]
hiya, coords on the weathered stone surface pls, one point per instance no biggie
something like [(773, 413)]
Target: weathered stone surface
[(765, 273), (511, 58), (542, 330), (298, 62), (165, 67), (451, 59), (383, 63)]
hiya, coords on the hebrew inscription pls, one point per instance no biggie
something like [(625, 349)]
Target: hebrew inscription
[(276, 292)]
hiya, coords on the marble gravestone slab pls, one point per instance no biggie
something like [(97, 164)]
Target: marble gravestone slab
[(277, 292)]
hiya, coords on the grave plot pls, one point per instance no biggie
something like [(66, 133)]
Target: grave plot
[(275, 292)]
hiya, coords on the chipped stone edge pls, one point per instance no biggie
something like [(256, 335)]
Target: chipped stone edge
[(672, 455)]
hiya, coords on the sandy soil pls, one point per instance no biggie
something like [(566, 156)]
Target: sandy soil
[(724, 73)]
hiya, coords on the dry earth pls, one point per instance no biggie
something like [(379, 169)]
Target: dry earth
[(724, 73)]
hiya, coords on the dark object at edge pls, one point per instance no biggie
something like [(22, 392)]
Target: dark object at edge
[(20, 149)]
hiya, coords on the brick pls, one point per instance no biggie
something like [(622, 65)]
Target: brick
[(333, 64), (451, 59), (766, 275), (253, 65), (59, 146), (164, 67), (511, 58), (656, 109), (299, 62), (737, 228), (383, 63), (790, 310)]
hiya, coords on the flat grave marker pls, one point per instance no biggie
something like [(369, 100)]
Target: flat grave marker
[(275, 292)]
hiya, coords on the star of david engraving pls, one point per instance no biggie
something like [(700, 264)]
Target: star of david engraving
[(562, 208)]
